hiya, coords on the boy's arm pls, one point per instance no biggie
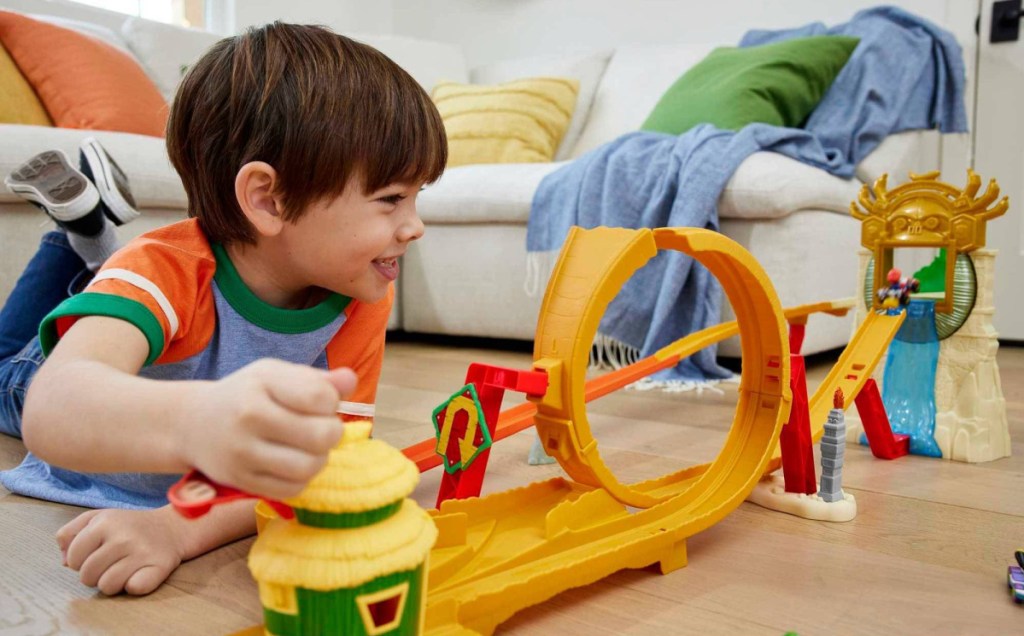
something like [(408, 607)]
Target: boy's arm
[(88, 391), (223, 524), (266, 428)]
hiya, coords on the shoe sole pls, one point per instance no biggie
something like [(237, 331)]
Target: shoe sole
[(50, 180), (111, 182)]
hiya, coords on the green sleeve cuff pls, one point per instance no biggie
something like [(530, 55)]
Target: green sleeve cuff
[(96, 304)]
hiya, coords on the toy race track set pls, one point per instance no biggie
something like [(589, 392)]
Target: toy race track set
[(497, 554)]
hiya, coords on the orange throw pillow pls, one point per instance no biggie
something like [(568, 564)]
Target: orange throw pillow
[(83, 82)]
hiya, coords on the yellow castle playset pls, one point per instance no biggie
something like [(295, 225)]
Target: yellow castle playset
[(953, 408)]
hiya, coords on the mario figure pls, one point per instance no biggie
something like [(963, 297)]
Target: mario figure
[(896, 296)]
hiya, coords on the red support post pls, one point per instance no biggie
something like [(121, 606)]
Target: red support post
[(490, 382), (795, 440), (467, 483), (883, 442), (796, 335)]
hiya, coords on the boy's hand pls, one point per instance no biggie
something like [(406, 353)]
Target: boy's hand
[(133, 551), (267, 428)]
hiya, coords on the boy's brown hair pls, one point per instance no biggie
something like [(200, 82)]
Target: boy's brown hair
[(317, 106)]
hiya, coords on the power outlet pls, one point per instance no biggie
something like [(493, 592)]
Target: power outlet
[(1006, 15)]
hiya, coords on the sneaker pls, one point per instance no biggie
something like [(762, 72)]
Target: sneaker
[(52, 183), (110, 180)]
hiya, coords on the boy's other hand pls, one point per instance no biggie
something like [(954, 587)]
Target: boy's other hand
[(131, 551), (268, 427)]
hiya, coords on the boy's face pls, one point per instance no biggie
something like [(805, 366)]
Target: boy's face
[(351, 244)]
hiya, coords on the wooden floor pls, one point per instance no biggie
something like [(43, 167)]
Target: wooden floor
[(926, 555)]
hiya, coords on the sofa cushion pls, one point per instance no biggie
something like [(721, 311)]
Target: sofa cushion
[(587, 69), (154, 182), (900, 154), (765, 186), (82, 82), (428, 62), (499, 193), (809, 256), (515, 122), (630, 87), (768, 185), (18, 102), (166, 51), (778, 84)]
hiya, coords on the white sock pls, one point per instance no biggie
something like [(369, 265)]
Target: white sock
[(95, 250)]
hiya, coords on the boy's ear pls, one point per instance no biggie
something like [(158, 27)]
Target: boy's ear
[(254, 189)]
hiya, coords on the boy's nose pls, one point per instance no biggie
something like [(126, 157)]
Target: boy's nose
[(411, 229)]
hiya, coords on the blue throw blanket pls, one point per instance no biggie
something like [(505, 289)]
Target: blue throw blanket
[(905, 74)]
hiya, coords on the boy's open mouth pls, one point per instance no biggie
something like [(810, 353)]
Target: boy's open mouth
[(388, 267)]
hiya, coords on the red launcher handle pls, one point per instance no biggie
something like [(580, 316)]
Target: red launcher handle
[(194, 494)]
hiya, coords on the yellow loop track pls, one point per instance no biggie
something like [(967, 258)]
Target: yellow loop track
[(594, 266)]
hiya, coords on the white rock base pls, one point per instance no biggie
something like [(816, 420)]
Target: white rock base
[(771, 493)]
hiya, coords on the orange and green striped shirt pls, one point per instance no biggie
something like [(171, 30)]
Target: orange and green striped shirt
[(203, 323)]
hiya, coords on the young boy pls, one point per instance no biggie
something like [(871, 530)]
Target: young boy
[(208, 343)]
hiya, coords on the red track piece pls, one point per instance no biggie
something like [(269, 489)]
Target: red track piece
[(795, 440), (883, 442), (491, 383)]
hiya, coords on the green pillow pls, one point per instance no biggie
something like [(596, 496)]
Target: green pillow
[(778, 83)]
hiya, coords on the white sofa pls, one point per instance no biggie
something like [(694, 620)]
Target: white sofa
[(466, 277)]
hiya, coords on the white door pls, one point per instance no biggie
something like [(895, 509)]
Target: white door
[(999, 154)]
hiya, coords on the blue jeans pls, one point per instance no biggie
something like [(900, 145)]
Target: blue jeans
[(53, 274)]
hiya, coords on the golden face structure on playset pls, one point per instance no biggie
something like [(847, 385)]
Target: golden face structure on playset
[(925, 212)]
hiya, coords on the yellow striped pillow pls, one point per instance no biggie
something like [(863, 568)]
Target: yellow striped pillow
[(516, 122), (18, 102)]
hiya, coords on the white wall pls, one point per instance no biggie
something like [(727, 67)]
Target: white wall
[(363, 16), (491, 30)]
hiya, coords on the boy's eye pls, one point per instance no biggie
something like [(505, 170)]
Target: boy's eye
[(393, 199)]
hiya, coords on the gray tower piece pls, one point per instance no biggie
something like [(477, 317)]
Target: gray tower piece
[(833, 447)]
